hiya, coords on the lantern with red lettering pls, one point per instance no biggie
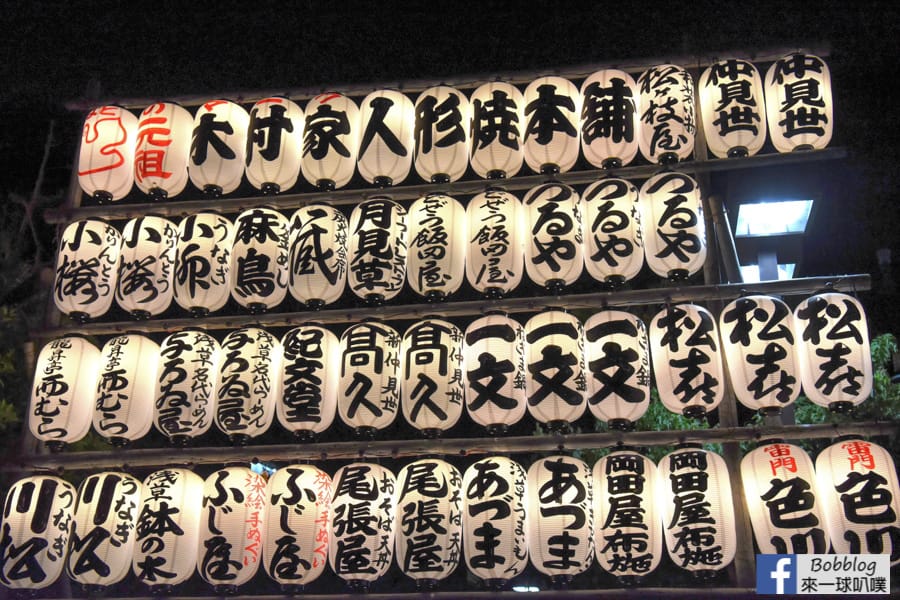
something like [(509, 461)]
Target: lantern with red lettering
[(259, 259), (331, 139), (436, 261), (443, 116), (106, 155), (388, 139), (552, 112), (126, 388), (610, 120), (498, 124), (145, 284), (309, 380), (614, 246), (86, 267), (163, 150), (674, 233), (554, 357), (798, 103), (218, 147), (274, 145), (377, 249), (369, 394), (497, 238), (202, 263), (554, 258), (732, 108), (317, 255), (667, 125)]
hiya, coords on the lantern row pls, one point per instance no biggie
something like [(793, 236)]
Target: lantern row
[(560, 515), (495, 369), (494, 131)]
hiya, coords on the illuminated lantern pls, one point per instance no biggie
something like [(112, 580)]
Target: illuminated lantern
[(146, 277), (163, 150), (554, 355), (298, 509), (498, 124), (614, 246), (186, 385), (552, 112), (37, 518), (388, 139), (369, 394), (555, 255), (86, 269), (259, 259), (65, 383), (309, 380), (496, 233), (758, 342), (610, 120), (274, 145), (617, 355), (494, 520), (377, 249), (732, 108), (362, 529), (429, 521), (218, 147), (674, 233), (798, 103), (432, 392), (202, 263), (627, 521), (126, 388), (495, 372), (331, 140), (443, 116), (106, 155), (860, 496), (104, 529), (436, 262), (667, 125), (780, 489), (168, 529), (317, 255), (248, 383), (833, 350), (697, 510), (687, 362)]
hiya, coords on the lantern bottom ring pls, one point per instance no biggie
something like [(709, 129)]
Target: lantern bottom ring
[(292, 589), (358, 586), (493, 293), (694, 412), (198, 312), (118, 441), (613, 162), (668, 158), (315, 304), (225, 589), (426, 585), (555, 286), (738, 152), (140, 315), (621, 424), (558, 426), (79, 317), (269, 189), (435, 296), (495, 583), (494, 430), (841, 407), (305, 435), (102, 197), (431, 433), (257, 308), (238, 439), (629, 581), (365, 432), (374, 299), (561, 582), (180, 440), (677, 275), (495, 174), (615, 281), (212, 191), (769, 411), (705, 574), (325, 185), (55, 446), (93, 590), (157, 194), (162, 589)]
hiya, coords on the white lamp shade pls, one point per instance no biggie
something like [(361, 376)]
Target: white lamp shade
[(274, 144), (186, 385), (554, 358), (125, 395), (733, 108), (666, 106), (369, 393), (443, 115), (259, 259), (674, 232), (145, 284), (331, 138), (498, 124), (317, 255), (614, 245), (388, 138), (610, 120), (495, 371), (163, 149), (202, 262), (106, 155), (86, 269), (218, 146), (377, 249), (552, 130), (555, 252), (436, 263), (495, 257), (799, 105), (310, 378)]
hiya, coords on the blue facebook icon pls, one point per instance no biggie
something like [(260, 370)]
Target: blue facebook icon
[(776, 574)]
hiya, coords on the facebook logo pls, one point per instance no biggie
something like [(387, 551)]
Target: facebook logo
[(776, 574)]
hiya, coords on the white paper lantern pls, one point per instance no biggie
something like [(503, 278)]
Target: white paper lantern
[(552, 128), (309, 380), (666, 106), (674, 232), (388, 138), (369, 394), (331, 138), (733, 108), (202, 264), (554, 357), (799, 106), (86, 269), (106, 155), (377, 249), (145, 284), (218, 147), (163, 150), (614, 245), (317, 255), (126, 388), (443, 115), (274, 145), (554, 256), (436, 261), (610, 120), (259, 259), (495, 222), (498, 124)]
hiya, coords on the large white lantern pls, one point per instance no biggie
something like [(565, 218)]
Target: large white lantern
[(317, 255), (552, 113), (614, 244), (310, 380), (443, 115), (610, 120), (388, 138), (218, 147), (86, 269), (668, 125), (554, 257), (259, 259), (331, 139), (377, 249), (145, 284), (106, 155), (732, 108), (274, 145), (369, 392), (163, 149), (833, 350), (436, 261), (202, 263), (498, 124), (798, 103), (126, 388), (554, 357), (674, 232), (495, 222)]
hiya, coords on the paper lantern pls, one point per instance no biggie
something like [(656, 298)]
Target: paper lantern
[(146, 276), (609, 118), (86, 269), (202, 263), (687, 361), (733, 108), (218, 147), (168, 529), (431, 392), (780, 489), (362, 529), (496, 232), (274, 145), (494, 520), (259, 259), (317, 255), (674, 232), (627, 517), (377, 249), (617, 355), (186, 385), (697, 510), (65, 382), (860, 496), (443, 116), (106, 155), (298, 510), (614, 246), (436, 262), (126, 388), (37, 519), (554, 357), (495, 372), (760, 351), (388, 139), (498, 124), (369, 394), (163, 150), (833, 350), (555, 255), (799, 106), (666, 106), (309, 380), (104, 529), (331, 138), (552, 112)]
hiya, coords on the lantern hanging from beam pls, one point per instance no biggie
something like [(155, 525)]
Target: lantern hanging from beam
[(377, 249), (259, 259), (317, 255), (610, 120), (163, 150), (369, 394), (666, 106), (443, 117), (498, 124), (799, 106), (274, 145), (674, 232), (496, 235), (309, 380), (202, 263), (125, 395), (218, 147), (106, 155), (552, 112), (436, 259), (554, 357), (614, 246), (554, 258), (145, 284), (732, 108), (388, 138), (331, 139), (86, 269)]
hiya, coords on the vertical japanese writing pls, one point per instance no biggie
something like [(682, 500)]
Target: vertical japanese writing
[(625, 541)]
